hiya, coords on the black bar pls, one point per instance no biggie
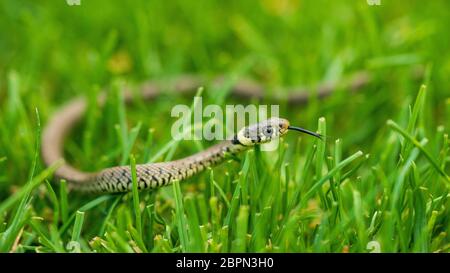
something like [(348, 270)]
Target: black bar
[(245, 262)]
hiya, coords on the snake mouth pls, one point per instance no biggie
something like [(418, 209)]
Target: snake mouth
[(283, 126), (299, 129)]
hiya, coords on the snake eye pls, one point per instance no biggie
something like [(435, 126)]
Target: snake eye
[(268, 131)]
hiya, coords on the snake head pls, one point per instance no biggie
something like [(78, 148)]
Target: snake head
[(262, 132)]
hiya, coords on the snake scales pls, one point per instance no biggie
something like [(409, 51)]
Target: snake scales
[(153, 175)]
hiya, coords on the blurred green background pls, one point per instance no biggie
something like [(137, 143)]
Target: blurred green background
[(61, 51), (51, 52), (65, 49)]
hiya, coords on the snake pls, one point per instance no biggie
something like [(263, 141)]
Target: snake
[(119, 179)]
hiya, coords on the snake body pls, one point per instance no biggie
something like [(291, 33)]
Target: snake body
[(154, 175)]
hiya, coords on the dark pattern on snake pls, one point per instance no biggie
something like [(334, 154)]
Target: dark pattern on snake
[(154, 175)]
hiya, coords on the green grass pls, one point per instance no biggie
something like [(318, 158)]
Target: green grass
[(381, 177)]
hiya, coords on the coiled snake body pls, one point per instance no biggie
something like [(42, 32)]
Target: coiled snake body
[(153, 175)]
